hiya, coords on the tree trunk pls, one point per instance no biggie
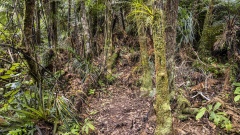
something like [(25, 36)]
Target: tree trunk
[(27, 40), (69, 17), (38, 24), (206, 40), (29, 45), (171, 10), (162, 105), (108, 47), (54, 24), (146, 77), (86, 30)]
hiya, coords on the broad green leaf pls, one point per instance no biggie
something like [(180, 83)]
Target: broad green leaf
[(237, 91), (9, 72), (2, 70), (201, 113), (5, 76), (228, 125), (216, 106), (216, 120), (212, 115), (90, 125), (236, 84), (209, 107), (237, 98)]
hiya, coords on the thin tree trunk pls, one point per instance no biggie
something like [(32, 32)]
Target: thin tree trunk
[(146, 77), (86, 31), (38, 24), (29, 45), (69, 17), (54, 24), (108, 47), (171, 10), (162, 105), (46, 10), (204, 45), (122, 18)]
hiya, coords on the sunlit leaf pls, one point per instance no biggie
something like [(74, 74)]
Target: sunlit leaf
[(237, 98), (5, 76), (11, 93), (2, 70), (237, 91), (201, 113), (216, 106), (236, 84)]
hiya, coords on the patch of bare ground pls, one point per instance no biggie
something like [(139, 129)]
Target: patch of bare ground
[(119, 109)]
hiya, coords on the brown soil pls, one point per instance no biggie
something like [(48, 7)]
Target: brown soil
[(118, 109)]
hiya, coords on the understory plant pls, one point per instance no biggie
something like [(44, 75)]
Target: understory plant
[(25, 106), (219, 118), (237, 92)]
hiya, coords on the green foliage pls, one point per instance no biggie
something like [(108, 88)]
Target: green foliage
[(185, 26), (111, 78), (91, 92), (87, 127), (219, 118), (141, 13), (23, 106), (237, 92)]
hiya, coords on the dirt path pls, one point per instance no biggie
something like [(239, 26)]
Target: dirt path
[(119, 109)]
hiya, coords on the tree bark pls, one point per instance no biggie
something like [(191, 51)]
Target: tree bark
[(54, 24), (146, 78), (69, 17), (171, 10), (38, 24), (162, 105), (205, 44), (86, 30), (108, 47)]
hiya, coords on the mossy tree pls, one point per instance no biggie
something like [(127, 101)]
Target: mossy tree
[(171, 10), (85, 30), (108, 47), (142, 15), (162, 105), (207, 37)]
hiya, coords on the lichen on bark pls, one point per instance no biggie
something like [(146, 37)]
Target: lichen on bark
[(162, 105)]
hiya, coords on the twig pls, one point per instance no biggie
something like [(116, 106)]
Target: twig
[(10, 54), (201, 94)]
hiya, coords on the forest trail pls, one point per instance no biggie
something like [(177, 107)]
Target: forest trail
[(119, 109)]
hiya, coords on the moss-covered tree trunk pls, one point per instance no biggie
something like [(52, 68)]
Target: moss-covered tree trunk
[(206, 41), (171, 10), (146, 78), (85, 30), (108, 47), (162, 105)]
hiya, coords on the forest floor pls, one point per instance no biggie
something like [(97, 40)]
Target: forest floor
[(118, 108)]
